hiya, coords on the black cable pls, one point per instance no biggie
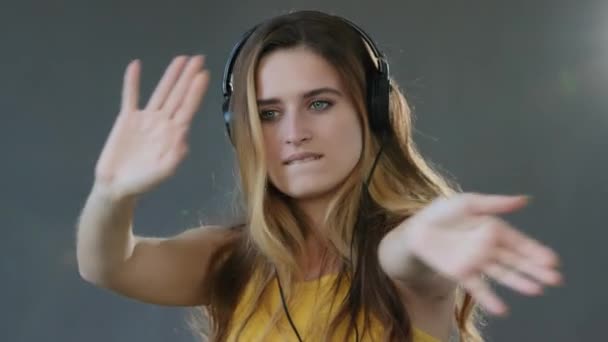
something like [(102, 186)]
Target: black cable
[(371, 173), (364, 205), (293, 326), (365, 200)]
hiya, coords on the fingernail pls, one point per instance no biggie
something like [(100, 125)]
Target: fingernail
[(528, 198)]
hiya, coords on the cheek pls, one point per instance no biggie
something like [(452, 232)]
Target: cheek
[(347, 137), (350, 147), (342, 142), (271, 150)]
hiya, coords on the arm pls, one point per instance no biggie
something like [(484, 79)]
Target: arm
[(144, 148), (165, 271), (428, 297), (104, 236)]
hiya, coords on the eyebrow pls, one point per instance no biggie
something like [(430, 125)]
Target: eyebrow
[(308, 94)]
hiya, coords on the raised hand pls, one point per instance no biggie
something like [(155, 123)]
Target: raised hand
[(462, 239), (146, 145)]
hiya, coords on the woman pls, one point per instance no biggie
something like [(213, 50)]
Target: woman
[(348, 233)]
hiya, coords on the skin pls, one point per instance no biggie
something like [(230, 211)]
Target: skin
[(324, 123)]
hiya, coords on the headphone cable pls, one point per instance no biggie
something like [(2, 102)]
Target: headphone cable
[(366, 190)]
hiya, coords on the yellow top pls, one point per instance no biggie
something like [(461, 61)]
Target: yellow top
[(310, 311)]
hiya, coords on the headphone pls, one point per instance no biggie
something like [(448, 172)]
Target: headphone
[(378, 90)]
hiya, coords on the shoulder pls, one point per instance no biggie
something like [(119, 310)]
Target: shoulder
[(216, 234), (231, 267), (223, 238)]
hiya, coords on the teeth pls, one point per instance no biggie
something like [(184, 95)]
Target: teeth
[(304, 160)]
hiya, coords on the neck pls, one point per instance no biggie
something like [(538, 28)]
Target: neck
[(317, 258)]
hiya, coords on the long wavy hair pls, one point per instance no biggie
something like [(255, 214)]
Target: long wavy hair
[(274, 232)]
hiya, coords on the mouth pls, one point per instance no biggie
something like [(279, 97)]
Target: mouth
[(303, 160)]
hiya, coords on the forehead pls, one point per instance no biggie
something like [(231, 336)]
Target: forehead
[(288, 72)]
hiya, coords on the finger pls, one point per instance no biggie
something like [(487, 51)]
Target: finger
[(130, 87), (529, 248), (509, 277), (166, 83), (479, 204), (528, 266), (480, 290), (193, 98), (178, 148), (181, 87)]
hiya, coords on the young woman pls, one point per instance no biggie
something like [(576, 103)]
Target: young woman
[(347, 233)]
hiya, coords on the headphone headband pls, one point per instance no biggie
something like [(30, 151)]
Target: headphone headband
[(379, 89)]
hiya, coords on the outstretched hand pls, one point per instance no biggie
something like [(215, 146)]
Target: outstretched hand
[(463, 239), (147, 144)]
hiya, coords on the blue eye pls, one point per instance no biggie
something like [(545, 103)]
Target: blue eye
[(267, 115), (320, 105)]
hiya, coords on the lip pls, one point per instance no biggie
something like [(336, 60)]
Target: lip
[(299, 156)]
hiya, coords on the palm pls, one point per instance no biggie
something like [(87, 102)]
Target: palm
[(146, 145)]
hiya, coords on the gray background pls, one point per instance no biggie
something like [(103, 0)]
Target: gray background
[(509, 97)]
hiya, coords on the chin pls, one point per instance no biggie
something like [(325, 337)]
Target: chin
[(308, 194), (308, 190)]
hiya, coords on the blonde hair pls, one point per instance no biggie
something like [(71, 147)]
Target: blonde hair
[(274, 233)]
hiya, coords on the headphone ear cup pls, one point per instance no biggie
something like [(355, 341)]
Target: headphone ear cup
[(379, 116), (227, 114)]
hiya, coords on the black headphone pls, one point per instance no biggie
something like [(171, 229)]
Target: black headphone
[(378, 90)]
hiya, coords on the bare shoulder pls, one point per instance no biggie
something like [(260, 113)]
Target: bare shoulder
[(208, 235)]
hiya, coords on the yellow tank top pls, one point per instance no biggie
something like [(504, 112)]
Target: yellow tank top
[(309, 309)]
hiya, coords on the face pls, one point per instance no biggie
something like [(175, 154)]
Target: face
[(312, 133)]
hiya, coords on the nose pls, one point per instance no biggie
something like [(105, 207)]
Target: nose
[(296, 129)]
